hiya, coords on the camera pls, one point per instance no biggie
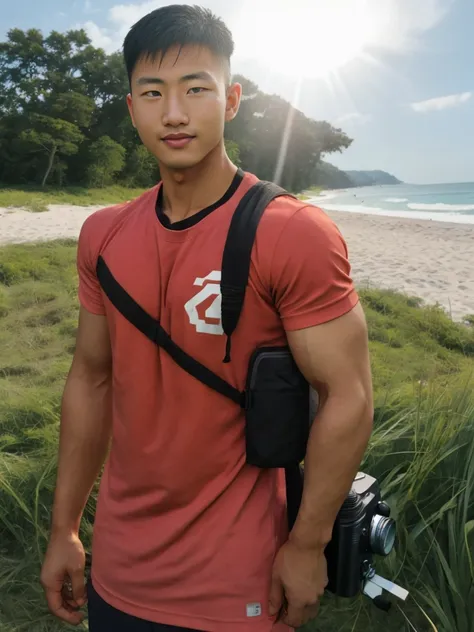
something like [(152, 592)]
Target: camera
[(363, 529)]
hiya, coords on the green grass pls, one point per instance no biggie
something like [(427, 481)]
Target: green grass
[(422, 449), (37, 199), (307, 194)]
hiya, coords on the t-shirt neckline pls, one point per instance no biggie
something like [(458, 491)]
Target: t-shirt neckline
[(189, 222)]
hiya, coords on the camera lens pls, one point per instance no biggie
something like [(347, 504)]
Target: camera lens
[(382, 535)]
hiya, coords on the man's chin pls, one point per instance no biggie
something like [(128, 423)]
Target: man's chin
[(180, 164)]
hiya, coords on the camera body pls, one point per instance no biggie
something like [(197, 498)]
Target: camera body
[(362, 530)]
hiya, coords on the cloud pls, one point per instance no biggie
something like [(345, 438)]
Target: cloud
[(396, 25), (406, 21), (441, 103), (353, 117), (100, 37)]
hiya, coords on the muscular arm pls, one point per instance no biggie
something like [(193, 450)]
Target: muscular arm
[(334, 358), (85, 422)]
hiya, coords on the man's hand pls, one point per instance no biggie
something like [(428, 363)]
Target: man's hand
[(65, 564), (298, 582)]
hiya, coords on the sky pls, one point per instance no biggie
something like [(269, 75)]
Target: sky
[(396, 75)]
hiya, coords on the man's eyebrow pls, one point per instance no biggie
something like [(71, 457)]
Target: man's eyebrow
[(201, 75), (143, 81)]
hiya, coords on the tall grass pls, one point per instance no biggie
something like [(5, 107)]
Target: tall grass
[(37, 199), (422, 448)]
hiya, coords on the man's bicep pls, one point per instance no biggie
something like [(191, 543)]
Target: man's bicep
[(93, 355), (334, 356)]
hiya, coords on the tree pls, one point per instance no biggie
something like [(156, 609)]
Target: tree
[(106, 159), (233, 151), (272, 135), (74, 107), (51, 136), (141, 169)]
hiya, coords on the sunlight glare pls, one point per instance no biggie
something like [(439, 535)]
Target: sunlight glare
[(307, 38)]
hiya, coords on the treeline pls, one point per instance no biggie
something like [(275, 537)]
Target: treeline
[(64, 121)]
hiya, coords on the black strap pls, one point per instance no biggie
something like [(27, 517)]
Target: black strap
[(294, 480), (237, 253), (151, 328)]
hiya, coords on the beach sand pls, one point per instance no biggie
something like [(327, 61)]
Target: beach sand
[(428, 259)]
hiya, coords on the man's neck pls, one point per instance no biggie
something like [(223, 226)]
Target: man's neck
[(186, 192)]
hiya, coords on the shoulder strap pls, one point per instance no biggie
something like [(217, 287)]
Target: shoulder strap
[(235, 270), (152, 329), (238, 250)]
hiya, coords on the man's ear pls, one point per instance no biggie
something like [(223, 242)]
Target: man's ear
[(234, 96), (130, 109)]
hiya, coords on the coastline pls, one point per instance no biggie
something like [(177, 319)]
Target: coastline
[(440, 212), (427, 259)]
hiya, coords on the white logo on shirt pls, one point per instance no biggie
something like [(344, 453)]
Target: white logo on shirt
[(254, 609), (211, 286)]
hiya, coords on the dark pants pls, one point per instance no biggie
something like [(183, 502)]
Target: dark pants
[(105, 618)]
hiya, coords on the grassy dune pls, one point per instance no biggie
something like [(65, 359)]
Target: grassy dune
[(422, 448), (37, 200)]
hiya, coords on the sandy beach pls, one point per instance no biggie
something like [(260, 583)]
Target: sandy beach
[(428, 259)]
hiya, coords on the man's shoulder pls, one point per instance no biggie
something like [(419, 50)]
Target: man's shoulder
[(288, 215), (100, 223)]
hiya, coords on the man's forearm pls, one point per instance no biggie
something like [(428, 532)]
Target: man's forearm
[(337, 442), (84, 440)]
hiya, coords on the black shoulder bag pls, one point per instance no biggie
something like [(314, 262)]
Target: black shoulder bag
[(277, 398)]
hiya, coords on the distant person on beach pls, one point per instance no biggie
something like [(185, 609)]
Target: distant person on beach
[(187, 536)]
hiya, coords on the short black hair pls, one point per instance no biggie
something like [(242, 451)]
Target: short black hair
[(176, 25)]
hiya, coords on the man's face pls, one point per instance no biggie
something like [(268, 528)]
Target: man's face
[(180, 106)]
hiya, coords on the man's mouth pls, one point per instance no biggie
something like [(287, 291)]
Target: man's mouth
[(176, 141)]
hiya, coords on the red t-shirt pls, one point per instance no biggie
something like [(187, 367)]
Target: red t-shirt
[(185, 532)]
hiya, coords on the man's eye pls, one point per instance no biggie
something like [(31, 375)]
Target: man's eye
[(197, 90), (152, 93)]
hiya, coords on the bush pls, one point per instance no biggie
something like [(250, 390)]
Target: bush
[(141, 169), (106, 159)]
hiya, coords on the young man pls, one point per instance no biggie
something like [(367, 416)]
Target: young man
[(188, 536)]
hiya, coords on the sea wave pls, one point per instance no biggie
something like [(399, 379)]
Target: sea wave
[(454, 218), (396, 200), (441, 207)]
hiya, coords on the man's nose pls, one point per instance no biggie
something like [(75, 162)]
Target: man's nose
[(175, 113)]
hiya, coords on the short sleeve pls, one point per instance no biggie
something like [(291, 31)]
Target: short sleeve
[(310, 271), (89, 291)]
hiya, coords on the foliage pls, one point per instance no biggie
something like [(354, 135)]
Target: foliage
[(330, 177), (421, 450), (62, 105), (106, 160), (370, 178), (52, 136), (260, 130), (233, 151), (142, 168)]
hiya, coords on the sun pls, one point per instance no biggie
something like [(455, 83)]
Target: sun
[(306, 38)]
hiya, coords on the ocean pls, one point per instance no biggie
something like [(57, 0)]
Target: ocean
[(438, 202)]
